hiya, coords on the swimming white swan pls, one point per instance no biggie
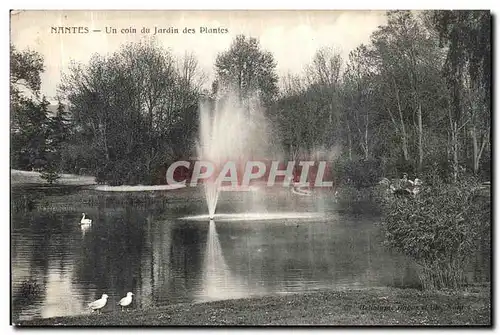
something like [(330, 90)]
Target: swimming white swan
[(125, 302), (301, 190), (99, 304), (84, 220)]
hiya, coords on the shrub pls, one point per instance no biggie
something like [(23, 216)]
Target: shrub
[(402, 166), (123, 172), (50, 174), (100, 177), (440, 229), (359, 173)]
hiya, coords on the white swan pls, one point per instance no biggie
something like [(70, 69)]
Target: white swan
[(301, 191), (125, 302), (84, 220), (99, 304)]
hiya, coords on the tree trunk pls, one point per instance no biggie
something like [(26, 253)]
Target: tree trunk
[(104, 135), (349, 141), (363, 141), (454, 150), (404, 135), (366, 137), (420, 134), (151, 138), (477, 151), (454, 131)]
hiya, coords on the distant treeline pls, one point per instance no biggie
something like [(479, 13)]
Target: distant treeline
[(415, 99)]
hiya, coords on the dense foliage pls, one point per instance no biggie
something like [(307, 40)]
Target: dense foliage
[(441, 229), (414, 99)]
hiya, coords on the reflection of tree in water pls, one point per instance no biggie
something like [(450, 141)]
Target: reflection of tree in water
[(50, 241), (29, 292), (178, 268), (155, 268), (110, 255), (170, 262), (34, 242)]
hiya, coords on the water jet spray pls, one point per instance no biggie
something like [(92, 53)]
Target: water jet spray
[(229, 131)]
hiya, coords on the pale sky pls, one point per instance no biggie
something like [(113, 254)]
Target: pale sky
[(292, 36)]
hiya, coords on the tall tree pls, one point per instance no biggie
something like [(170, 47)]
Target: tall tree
[(466, 35), (28, 112), (29, 145), (308, 112), (357, 92), (58, 134), (324, 78), (407, 61), (248, 69), (26, 68), (130, 107), (403, 99)]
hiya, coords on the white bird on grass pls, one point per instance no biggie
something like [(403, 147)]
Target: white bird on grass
[(126, 301), (99, 304), (85, 221)]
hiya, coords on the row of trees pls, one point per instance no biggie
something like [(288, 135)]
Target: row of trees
[(415, 99), (125, 115)]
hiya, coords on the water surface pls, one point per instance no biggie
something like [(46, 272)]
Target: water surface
[(166, 257)]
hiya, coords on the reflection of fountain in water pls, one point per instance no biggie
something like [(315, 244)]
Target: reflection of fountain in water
[(218, 281)]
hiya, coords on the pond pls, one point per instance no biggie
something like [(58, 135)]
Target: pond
[(169, 255)]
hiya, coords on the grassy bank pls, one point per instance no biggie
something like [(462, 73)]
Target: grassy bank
[(384, 306), (75, 193), (18, 177), (64, 198)]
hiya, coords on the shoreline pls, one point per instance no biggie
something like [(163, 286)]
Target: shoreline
[(21, 178), (353, 307), (136, 188)]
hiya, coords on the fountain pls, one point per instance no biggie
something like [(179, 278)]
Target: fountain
[(229, 131), (235, 133)]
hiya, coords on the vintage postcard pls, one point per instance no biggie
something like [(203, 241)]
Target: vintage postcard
[(228, 168)]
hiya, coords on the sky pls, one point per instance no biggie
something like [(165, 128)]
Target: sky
[(292, 36)]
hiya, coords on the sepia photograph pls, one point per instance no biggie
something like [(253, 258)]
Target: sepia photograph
[(250, 168)]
